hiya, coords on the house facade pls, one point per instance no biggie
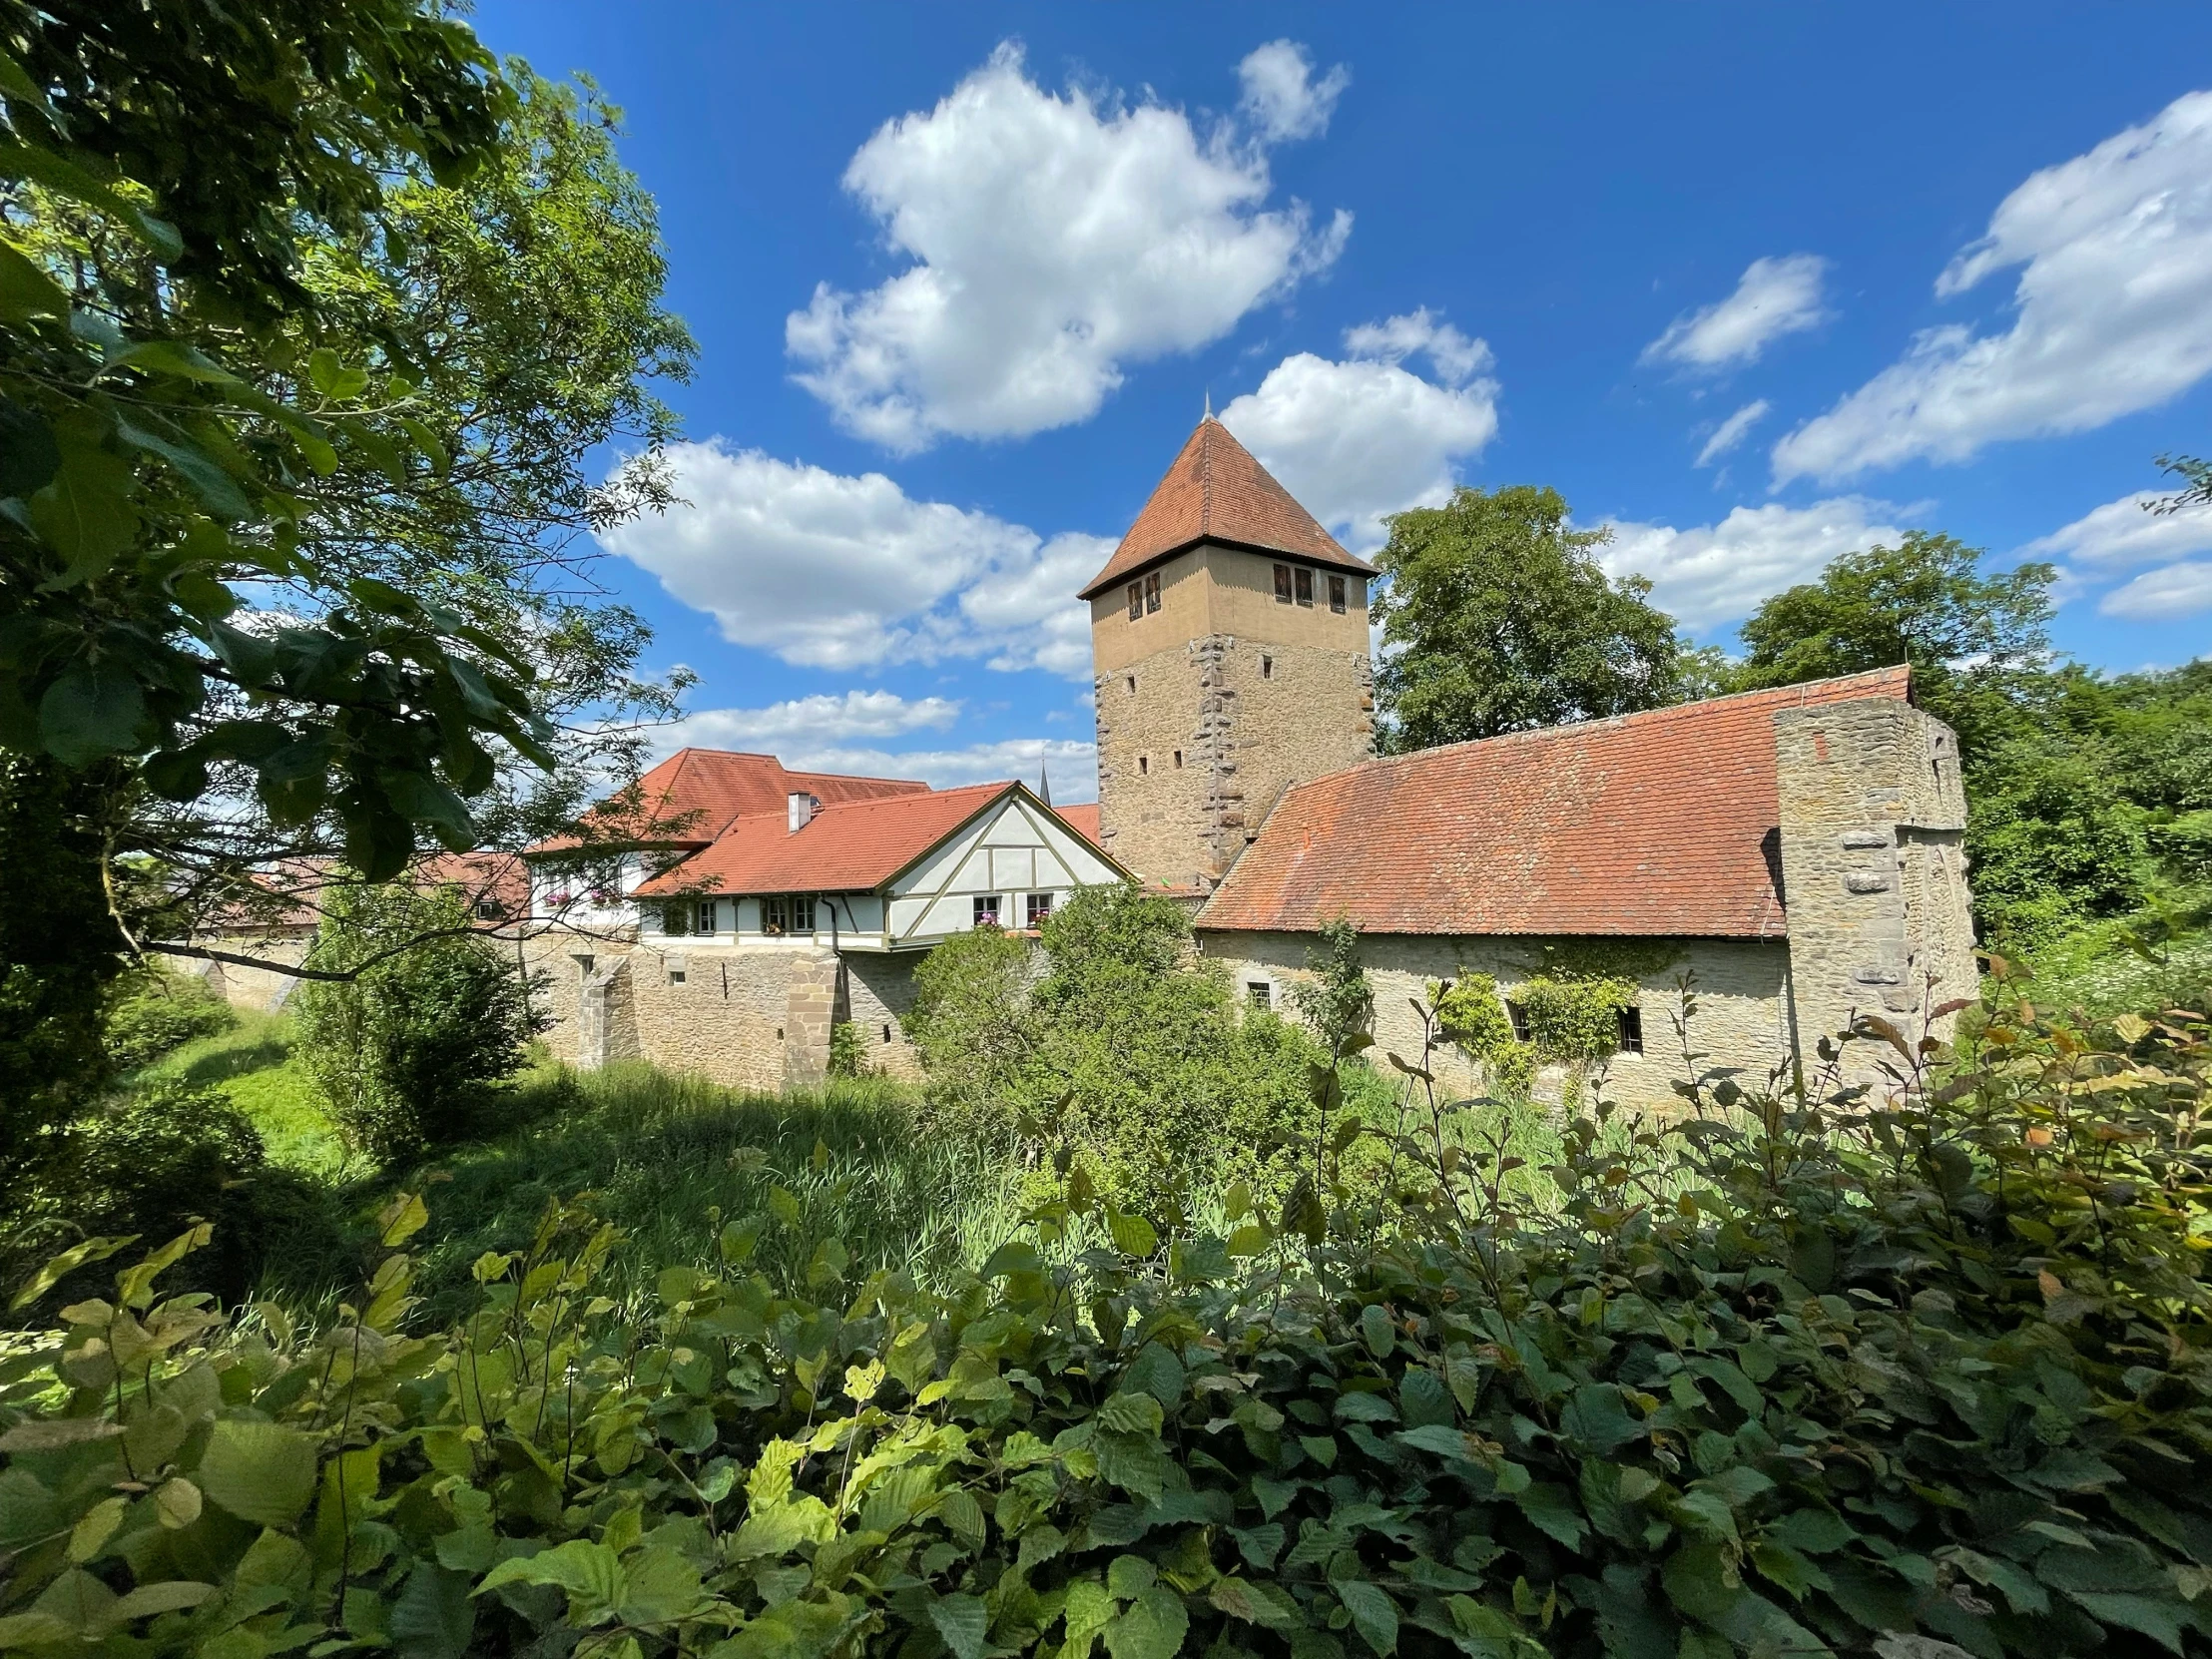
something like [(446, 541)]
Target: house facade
[(735, 949), (1794, 857)]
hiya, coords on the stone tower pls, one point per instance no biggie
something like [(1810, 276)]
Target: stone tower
[(1229, 639)]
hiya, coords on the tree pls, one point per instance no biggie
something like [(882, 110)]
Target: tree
[(1497, 617), (410, 1048), (1976, 642), (309, 317)]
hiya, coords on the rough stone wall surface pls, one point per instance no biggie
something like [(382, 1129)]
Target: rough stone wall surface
[(1248, 716), (880, 994), (1740, 986), (1874, 869), (264, 990), (753, 1017)]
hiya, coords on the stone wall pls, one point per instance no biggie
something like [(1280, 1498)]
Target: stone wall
[(751, 1016), (263, 989), (1740, 987), (1873, 822)]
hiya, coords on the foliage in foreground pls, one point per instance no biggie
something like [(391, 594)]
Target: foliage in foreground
[(1923, 1378), (157, 1011)]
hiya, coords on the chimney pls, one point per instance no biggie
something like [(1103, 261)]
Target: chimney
[(802, 810)]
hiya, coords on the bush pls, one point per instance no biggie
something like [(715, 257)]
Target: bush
[(1918, 1375), (1113, 1045), (156, 1012), (411, 1052)]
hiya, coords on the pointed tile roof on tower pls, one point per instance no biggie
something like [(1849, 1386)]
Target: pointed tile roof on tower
[(1216, 491)]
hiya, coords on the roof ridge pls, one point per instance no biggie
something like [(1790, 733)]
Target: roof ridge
[(1676, 710)]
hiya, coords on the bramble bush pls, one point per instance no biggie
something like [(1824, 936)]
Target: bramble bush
[(155, 1010), (1919, 1370)]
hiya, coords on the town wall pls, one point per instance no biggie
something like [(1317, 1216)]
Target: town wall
[(1739, 987), (262, 989), (1874, 869)]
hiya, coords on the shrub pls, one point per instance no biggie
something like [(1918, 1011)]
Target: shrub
[(410, 1052), (155, 1010), (847, 1053), (1915, 1373)]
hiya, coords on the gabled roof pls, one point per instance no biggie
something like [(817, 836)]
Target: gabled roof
[(1658, 824), (1216, 491), (848, 847), (695, 794)]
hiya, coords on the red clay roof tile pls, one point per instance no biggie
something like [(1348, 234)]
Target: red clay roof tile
[(1658, 824), (848, 847), (1216, 491), (694, 794)]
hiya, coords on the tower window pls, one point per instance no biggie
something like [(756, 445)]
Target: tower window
[(1337, 594), (1631, 1022), (1136, 600), (1304, 585), (1282, 584), (1144, 766), (1152, 591), (1178, 760), (1266, 668)]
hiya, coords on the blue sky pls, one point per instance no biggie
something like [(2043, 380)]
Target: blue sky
[(1753, 284)]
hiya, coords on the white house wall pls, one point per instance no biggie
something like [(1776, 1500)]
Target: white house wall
[(1012, 851)]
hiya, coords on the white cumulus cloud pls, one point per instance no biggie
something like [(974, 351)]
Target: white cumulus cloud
[(2112, 314), (2162, 595), (1772, 298), (832, 571), (1282, 99), (1071, 765), (1053, 238), (1358, 438), (2126, 532), (1732, 432), (819, 718), (1713, 573)]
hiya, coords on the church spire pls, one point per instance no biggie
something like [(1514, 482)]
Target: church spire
[(1044, 783)]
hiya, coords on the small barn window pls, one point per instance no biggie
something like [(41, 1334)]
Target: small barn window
[(1631, 1020), (1305, 585), (1282, 584), (1337, 594), (1136, 600), (986, 908), (677, 977), (1259, 994), (1151, 593), (1519, 1016)]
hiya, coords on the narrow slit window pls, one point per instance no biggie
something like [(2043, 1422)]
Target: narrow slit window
[(1151, 593), (1178, 760), (1304, 585), (886, 1034), (1144, 766), (1631, 1022), (1132, 685), (1337, 594), (1282, 584), (1266, 668), (1136, 600)]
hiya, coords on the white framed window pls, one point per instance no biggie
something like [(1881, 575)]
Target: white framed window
[(787, 912), (706, 920), (1260, 994), (987, 908)]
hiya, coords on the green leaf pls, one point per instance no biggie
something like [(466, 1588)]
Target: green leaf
[(1597, 1418), (1131, 1414), (1423, 1398), (1553, 1509), (434, 1617), (58, 1267), (1373, 1613), (1151, 1627), (218, 491), (964, 1623), (1377, 1331), (259, 1471), (26, 289), (1089, 1609), (172, 1595), (1256, 1602), (85, 514), (92, 711), (1132, 1234), (66, 178), (588, 1571), (1156, 1371)]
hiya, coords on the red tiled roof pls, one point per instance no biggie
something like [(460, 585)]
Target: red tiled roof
[(289, 894), (1656, 823), (848, 847), (1216, 491), (694, 794), (1083, 821)]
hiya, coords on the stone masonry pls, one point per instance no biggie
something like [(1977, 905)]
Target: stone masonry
[(1873, 819)]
